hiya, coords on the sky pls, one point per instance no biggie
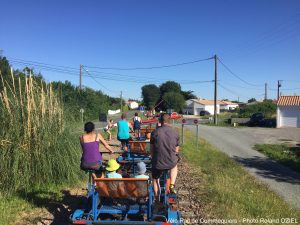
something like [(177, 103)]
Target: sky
[(120, 44)]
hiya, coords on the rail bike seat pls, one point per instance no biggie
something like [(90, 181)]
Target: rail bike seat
[(122, 187), (145, 131), (139, 146)]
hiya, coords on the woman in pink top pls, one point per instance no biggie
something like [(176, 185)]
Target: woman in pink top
[(90, 143)]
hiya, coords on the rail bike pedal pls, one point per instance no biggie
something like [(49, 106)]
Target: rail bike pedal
[(173, 201)]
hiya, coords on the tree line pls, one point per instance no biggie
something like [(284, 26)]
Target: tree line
[(166, 96)]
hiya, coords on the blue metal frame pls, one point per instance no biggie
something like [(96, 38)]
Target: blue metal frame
[(91, 215), (81, 217), (133, 157)]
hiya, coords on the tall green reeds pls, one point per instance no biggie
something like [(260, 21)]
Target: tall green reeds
[(35, 146)]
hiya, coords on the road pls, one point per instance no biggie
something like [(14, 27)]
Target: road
[(238, 144)]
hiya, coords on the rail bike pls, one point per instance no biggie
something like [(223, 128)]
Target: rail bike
[(129, 200)]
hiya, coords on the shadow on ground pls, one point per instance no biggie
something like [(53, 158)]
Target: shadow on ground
[(270, 169), (59, 206)]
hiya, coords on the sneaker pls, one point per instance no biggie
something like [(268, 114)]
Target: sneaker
[(172, 189)]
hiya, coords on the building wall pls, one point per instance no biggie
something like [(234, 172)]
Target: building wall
[(195, 108), (133, 105), (228, 107), (210, 109), (288, 116)]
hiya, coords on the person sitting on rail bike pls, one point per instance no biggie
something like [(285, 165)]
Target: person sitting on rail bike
[(112, 167), (141, 170), (90, 143), (164, 147), (137, 121), (123, 131)]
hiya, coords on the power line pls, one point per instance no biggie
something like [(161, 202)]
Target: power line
[(40, 63), (238, 77), (151, 67), (102, 75), (228, 90), (238, 86), (97, 81)]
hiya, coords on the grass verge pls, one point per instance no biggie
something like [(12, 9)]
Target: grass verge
[(228, 191), (283, 153)]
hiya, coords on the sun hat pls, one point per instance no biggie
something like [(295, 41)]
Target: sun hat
[(141, 168), (112, 165)]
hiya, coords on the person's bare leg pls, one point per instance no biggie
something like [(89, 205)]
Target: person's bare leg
[(173, 175), (109, 135), (156, 189)]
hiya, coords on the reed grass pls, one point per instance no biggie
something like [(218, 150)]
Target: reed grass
[(36, 147)]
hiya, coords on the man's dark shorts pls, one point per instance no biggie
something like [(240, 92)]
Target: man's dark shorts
[(156, 173), (124, 142)]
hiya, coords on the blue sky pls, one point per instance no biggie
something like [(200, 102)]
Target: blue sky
[(258, 41)]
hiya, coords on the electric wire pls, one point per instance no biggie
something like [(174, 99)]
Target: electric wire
[(151, 67), (103, 75), (238, 77)]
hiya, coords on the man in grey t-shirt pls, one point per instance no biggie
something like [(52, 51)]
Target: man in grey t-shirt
[(164, 145)]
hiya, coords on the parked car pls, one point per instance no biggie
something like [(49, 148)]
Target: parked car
[(257, 119), (204, 113)]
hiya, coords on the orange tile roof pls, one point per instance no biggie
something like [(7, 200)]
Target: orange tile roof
[(206, 102), (289, 100)]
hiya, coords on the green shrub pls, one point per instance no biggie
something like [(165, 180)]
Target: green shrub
[(268, 108)]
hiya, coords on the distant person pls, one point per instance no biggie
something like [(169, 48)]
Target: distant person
[(141, 170), (164, 146), (90, 143), (112, 167), (123, 131), (108, 127), (137, 121)]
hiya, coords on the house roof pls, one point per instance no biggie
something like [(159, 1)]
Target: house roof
[(206, 102), (289, 100), (228, 103)]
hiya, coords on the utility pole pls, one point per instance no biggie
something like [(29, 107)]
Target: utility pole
[(121, 103), (266, 89), (215, 101), (278, 86), (80, 78)]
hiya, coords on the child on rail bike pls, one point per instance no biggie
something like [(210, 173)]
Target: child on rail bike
[(137, 125), (141, 170)]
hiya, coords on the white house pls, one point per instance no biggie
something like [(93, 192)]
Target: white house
[(195, 106), (227, 105), (288, 111), (133, 104)]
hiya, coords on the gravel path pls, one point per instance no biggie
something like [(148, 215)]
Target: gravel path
[(238, 144)]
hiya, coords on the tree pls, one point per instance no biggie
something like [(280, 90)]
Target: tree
[(4, 66), (169, 86), (174, 100), (150, 94), (251, 100), (188, 95)]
